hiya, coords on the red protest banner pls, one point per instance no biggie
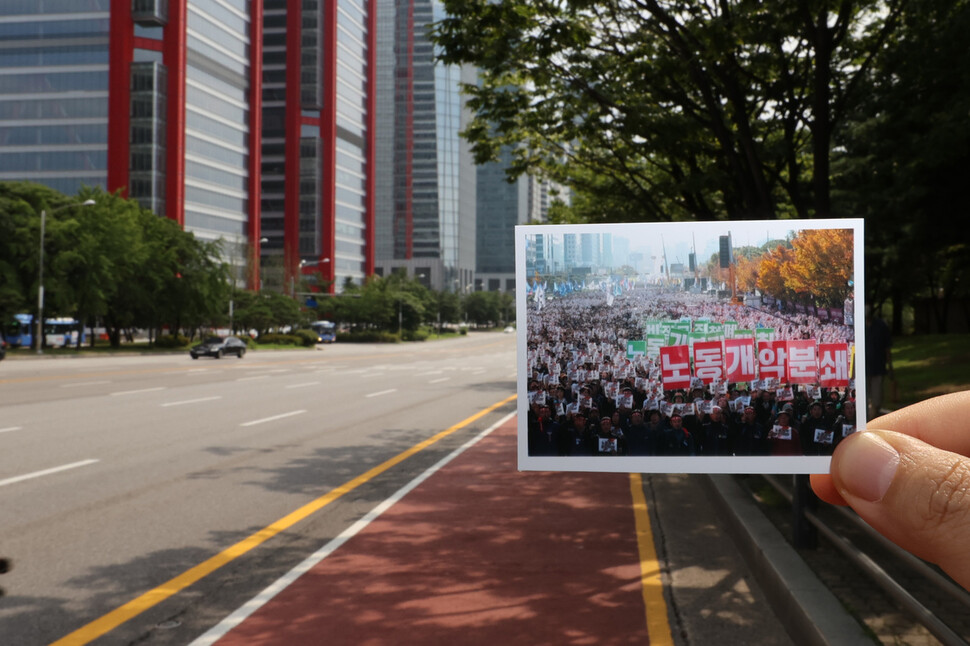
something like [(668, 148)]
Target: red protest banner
[(833, 364), (675, 366), (801, 367), (739, 360), (771, 359), (708, 361)]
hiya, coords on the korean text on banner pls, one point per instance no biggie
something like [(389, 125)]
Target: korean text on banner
[(801, 367), (833, 365), (771, 359), (739, 360), (708, 361), (675, 366)]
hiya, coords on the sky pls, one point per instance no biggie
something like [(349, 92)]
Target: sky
[(678, 239)]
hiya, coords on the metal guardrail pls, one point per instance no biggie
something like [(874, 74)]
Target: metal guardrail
[(874, 571)]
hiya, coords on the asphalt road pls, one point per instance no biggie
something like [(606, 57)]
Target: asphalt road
[(120, 474)]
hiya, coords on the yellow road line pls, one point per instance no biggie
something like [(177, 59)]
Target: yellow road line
[(658, 625), (140, 604)]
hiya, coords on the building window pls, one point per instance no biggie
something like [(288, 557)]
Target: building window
[(149, 12)]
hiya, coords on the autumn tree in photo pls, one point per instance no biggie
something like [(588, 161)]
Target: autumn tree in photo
[(746, 273), (815, 269), (821, 269), (770, 280)]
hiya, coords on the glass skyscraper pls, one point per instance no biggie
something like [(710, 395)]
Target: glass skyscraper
[(54, 82), (318, 137), (426, 211), (175, 103)]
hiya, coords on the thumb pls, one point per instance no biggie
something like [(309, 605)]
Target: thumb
[(913, 493)]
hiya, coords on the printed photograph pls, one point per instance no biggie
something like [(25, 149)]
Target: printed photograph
[(702, 347)]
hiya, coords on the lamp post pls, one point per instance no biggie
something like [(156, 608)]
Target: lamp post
[(299, 269), (257, 260), (304, 263), (40, 273)]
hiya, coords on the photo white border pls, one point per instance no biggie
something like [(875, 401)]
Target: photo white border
[(684, 464)]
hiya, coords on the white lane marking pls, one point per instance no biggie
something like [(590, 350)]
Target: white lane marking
[(480, 371), (10, 429), (84, 383), (273, 418), (222, 628), (382, 392), (45, 472), (135, 392), (425, 374), (438, 381), (304, 385), (191, 401), (252, 378)]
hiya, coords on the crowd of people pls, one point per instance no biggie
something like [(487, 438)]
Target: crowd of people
[(587, 397)]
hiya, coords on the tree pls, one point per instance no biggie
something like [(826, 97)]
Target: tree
[(668, 110), (770, 280), (822, 265), (485, 308), (905, 156), (20, 207)]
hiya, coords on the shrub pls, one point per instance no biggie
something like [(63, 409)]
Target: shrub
[(308, 338), (414, 335), (171, 341), (280, 339), (369, 336)]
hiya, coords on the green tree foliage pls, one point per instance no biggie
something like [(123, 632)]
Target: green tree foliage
[(905, 157), (20, 207), (112, 261), (668, 109), (487, 309)]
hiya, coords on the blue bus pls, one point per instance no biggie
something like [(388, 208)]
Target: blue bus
[(61, 332), (326, 331), (19, 332)]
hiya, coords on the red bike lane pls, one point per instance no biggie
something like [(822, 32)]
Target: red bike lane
[(478, 553)]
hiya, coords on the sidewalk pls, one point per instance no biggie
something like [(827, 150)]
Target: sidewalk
[(482, 554)]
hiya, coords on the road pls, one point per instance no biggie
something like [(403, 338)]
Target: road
[(120, 474)]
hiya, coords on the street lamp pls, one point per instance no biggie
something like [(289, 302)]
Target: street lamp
[(293, 278), (40, 272)]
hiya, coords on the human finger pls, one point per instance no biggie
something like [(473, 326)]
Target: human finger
[(824, 488), (915, 494), (941, 421)]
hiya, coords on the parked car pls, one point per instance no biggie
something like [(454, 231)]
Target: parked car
[(216, 347)]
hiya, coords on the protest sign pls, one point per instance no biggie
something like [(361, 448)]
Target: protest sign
[(675, 366), (634, 322)]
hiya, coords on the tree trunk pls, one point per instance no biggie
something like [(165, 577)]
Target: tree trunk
[(897, 296), (821, 118)]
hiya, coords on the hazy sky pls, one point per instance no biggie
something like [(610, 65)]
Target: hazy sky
[(680, 238)]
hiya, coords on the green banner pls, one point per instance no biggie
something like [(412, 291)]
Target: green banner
[(635, 349)]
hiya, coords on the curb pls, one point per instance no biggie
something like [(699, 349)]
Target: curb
[(806, 608)]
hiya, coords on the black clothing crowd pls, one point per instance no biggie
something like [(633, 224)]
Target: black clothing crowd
[(586, 398)]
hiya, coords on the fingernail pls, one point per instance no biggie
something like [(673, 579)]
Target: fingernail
[(866, 467)]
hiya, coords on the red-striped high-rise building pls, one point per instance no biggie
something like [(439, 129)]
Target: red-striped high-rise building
[(246, 121)]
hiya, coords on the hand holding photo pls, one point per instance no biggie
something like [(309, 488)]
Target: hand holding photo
[(723, 347)]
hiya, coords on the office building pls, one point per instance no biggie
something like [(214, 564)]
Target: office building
[(501, 206), (168, 101), (426, 209), (318, 144)]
